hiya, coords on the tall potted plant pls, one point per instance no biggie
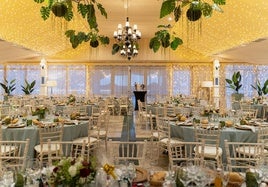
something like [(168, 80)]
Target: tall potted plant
[(261, 89), (8, 86), (235, 84), (28, 88)]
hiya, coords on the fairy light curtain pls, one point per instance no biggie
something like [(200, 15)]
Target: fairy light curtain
[(156, 82), (200, 73), (59, 73), (181, 80)]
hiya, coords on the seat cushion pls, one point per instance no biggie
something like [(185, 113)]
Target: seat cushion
[(80, 140), (172, 141), (210, 151), (44, 149), (248, 151), (7, 149)]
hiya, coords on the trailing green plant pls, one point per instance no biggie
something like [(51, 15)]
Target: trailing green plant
[(195, 9), (235, 82), (86, 8), (261, 89), (28, 88), (9, 87), (165, 39)]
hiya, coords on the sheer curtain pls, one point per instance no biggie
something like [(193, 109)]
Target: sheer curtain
[(59, 73), (181, 80), (21, 73), (160, 80), (248, 76)]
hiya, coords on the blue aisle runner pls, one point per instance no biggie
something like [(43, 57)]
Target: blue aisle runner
[(128, 130)]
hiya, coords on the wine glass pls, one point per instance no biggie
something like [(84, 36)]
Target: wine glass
[(8, 177), (33, 171), (183, 173), (258, 176), (183, 176), (210, 169), (131, 170), (225, 175)]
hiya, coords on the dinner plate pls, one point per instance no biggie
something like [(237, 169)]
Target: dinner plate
[(16, 125), (182, 123), (69, 123), (83, 118), (242, 127)]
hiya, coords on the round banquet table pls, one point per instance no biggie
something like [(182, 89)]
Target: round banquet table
[(70, 133), (232, 134)]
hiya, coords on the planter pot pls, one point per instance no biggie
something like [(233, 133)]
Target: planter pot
[(237, 96), (59, 9), (193, 14)]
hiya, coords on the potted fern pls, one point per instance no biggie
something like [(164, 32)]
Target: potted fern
[(8, 87), (235, 84), (28, 88)]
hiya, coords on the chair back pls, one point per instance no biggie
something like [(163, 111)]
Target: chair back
[(210, 135), (65, 149), (263, 137), (14, 154), (185, 151), (52, 132), (163, 128), (249, 113), (242, 156), (127, 152)]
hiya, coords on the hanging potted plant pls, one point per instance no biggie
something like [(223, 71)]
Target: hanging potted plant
[(8, 87), (64, 9), (235, 84), (28, 88)]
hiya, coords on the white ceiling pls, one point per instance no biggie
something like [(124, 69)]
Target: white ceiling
[(144, 13)]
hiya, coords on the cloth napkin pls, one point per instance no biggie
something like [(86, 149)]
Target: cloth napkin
[(252, 128)]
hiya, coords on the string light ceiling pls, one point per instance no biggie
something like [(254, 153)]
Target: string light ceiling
[(243, 21)]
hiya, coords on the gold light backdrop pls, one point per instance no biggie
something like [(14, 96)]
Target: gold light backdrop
[(242, 21)]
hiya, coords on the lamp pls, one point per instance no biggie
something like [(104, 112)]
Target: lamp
[(209, 85), (127, 39)]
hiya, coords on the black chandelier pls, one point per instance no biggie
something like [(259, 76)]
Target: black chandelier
[(127, 39)]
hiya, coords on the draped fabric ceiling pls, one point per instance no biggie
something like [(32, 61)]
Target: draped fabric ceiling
[(242, 22)]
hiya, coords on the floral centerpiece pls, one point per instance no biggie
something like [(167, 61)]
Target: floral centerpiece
[(71, 99), (40, 112), (208, 111), (177, 99), (71, 172)]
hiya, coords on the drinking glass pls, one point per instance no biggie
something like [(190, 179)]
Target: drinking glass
[(8, 177), (184, 176), (258, 176), (225, 175), (210, 169), (33, 171)]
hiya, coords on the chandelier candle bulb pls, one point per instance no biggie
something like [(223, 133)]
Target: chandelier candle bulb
[(127, 40)]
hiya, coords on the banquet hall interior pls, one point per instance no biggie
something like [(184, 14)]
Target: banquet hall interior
[(145, 73)]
